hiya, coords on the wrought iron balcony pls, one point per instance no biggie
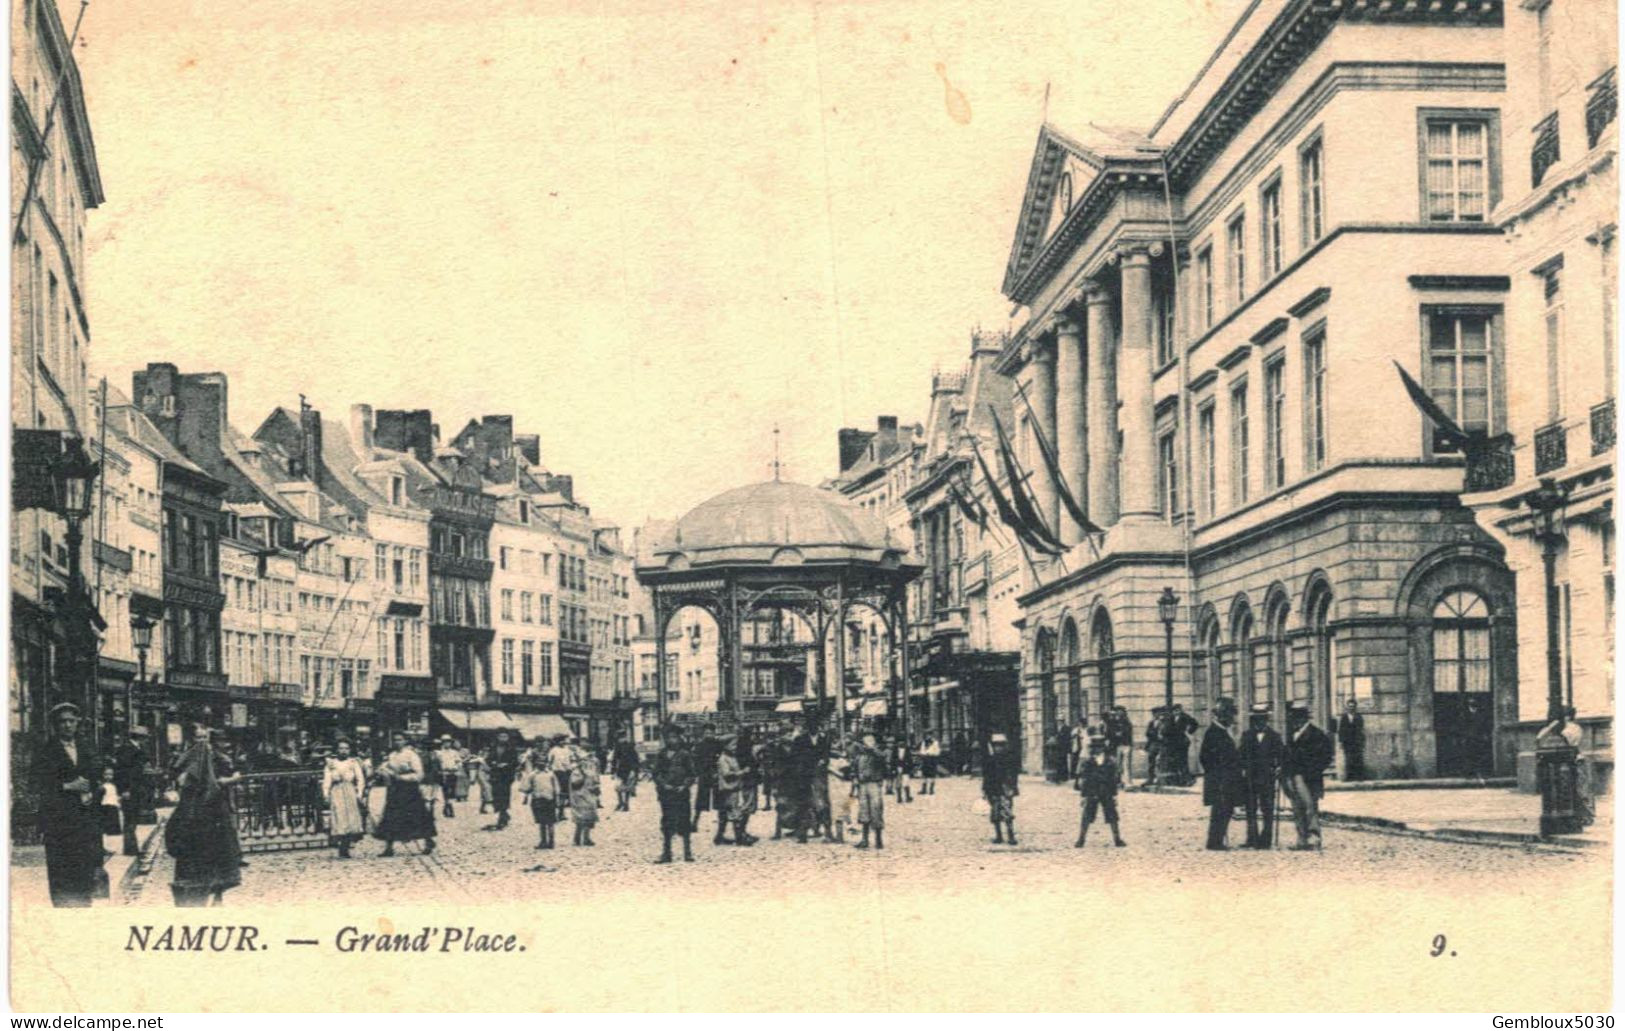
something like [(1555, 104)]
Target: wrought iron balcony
[(1602, 427), (1551, 448), (1491, 466), (1546, 152), (1601, 106)]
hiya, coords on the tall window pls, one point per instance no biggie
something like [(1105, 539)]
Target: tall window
[(380, 553), (1312, 191), (1269, 225), (1458, 170), (1207, 452), (1275, 423), (527, 665), (1314, 401), (1461, 367), (1168, 470), (507, 604), (1241, 638), (1240, 446), (1553, 288), (1163, 302), (1204, 286), (1236, 250), (544, 664)]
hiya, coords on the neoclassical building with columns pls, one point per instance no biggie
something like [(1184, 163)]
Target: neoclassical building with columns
[(1214, 307)]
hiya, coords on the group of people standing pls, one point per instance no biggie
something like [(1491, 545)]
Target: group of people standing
[(1167, 744), (1246, 769)]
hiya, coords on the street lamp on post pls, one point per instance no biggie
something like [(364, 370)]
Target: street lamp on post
[(1556, 761), (74, 473), (1168, 609)]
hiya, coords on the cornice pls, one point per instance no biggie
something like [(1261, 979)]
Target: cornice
[(1203, 381), (1240, 354), (1284, 46)]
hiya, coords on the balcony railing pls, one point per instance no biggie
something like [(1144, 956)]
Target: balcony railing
[(1602, 427), (1551, 448), (1546, 152), (1601, 106), (1491, 466)]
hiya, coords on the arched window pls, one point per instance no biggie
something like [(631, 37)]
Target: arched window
[(1319, 688), (1279, 656), (1045, 682), (1105, 648), (1209, 682), (1461, 643), (1071, 661), (1241, 639)]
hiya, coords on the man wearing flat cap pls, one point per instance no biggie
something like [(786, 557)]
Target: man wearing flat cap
[(132, 779), (1303, 773), (1261, 750), (66, 777), (1223, 781)]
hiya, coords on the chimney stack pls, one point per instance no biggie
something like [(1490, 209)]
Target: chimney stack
[(361, 428)]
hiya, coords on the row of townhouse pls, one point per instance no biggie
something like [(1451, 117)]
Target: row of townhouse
[(326, 577), (1212, 311)]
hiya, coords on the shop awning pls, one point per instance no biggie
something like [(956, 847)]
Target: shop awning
[(874, 707), (477, 719), (532, 725), (788, 705)]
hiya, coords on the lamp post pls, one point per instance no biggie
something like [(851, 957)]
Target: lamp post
[(1168, 609), (141, 638), (1556, 761), (74, 473)]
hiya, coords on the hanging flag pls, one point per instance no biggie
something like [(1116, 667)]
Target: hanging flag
[(968, 507), (1007, 513), (1068, 500), (1026, 506), (1447, 432)]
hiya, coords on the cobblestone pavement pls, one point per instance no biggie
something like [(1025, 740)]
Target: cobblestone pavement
[(937, 843)]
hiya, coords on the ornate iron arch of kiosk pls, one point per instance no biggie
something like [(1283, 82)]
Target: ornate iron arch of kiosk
[(786, 547)]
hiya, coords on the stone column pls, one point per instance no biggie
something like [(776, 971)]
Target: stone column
[(1134, 367), (1043, 399), (1102, 414), (1069, 443)]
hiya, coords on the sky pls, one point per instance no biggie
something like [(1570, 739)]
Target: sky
[(650, 231)]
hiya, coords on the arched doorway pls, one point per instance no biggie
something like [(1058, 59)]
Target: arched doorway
[(1048, 716), (1463, 684)]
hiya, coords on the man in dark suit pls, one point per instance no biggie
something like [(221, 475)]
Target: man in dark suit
[(1223, 783), (1176, 745), (1261, 764), (503, 763), (132, 778), (67, 778), (1351, 735), (1303, 773)]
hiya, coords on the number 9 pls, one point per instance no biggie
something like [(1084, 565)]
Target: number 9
[(1439, 943)]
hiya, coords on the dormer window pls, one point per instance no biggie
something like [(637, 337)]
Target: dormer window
[(397, 490), (524, 511), (169, 405)]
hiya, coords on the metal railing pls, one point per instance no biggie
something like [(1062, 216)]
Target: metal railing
[(1602, 427), (1490, 467), (277, 811), (1551, 448)]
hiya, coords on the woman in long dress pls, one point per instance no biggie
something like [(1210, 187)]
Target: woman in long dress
[(584, 788), (202, 831), (343, 780), (406, 816)]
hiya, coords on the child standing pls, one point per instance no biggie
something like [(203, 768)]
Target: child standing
[(538, 786), (110, 805)]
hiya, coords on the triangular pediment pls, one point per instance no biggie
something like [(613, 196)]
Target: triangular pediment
[(1064, 168)]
